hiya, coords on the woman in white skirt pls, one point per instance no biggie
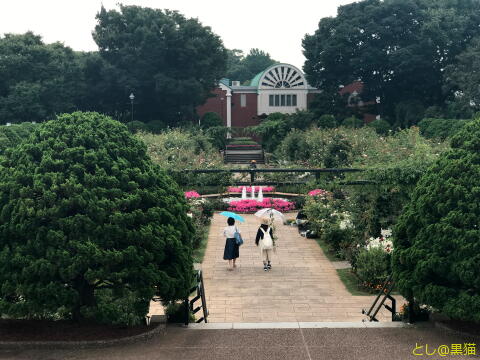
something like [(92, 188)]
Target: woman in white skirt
[(264, 241)]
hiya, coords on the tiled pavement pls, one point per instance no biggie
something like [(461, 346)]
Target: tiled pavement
[(302, 286)]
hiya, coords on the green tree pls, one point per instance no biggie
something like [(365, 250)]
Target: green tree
[(169, 62), (11, 136), (397, 48), (90, 227), (462, 79), (437, 238), (36, 80), (245, 68)]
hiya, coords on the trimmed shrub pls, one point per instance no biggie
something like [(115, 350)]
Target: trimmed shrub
[(211, 119), (381, 126), (136, 126), (156, 126), (437, 237), (89, 226), (353, 122), (327, 121), (440, 128)]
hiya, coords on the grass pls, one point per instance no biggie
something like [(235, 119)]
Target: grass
[(326, 250), (199, 253), (346, 276), (351, 283)]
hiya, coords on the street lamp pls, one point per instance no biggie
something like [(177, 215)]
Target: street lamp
[(132, 97)]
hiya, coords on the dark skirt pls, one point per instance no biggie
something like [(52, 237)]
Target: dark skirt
[(231, 249)]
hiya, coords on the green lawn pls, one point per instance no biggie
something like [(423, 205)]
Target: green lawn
[(326, 250), (199, 252), (351, 283), (348, 278)]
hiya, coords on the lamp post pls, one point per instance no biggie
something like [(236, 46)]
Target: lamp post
[(132, 97)]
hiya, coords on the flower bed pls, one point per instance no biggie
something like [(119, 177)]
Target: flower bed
[(265, 189), (249, 205)]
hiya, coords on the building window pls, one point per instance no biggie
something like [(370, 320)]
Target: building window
[(243, 100), (282, 100)]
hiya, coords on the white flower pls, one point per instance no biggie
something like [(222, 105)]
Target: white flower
[(386, 233)]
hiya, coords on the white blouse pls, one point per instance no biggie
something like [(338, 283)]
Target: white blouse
[(229, 231)]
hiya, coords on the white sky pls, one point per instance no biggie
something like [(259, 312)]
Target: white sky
[(275, 26)]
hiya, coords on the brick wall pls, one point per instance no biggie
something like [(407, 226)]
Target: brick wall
[(217, 104), (244, 116)]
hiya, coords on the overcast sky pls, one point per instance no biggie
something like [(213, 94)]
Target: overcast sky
[(275, 26)]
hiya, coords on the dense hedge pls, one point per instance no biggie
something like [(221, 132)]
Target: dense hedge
[(89, 226), (437, 239), (440, 128)]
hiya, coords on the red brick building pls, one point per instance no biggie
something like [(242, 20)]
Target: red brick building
[(280, 88)]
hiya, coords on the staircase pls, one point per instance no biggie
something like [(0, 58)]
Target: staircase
[(244, 154)]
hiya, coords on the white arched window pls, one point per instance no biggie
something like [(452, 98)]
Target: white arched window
[(283, 76), (282, 88)]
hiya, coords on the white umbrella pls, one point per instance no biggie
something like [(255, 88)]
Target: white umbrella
[(271, 213)]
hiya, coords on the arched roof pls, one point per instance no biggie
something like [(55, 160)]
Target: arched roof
[(280, 76)]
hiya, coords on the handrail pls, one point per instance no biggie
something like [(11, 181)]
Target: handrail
[(386, 292), (189, 304), (325, 170)]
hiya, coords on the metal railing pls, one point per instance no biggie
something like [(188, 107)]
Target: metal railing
[(190, 304), (253, 173), (384, 294)]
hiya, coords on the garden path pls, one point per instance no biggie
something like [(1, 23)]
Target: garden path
[(303, 284)]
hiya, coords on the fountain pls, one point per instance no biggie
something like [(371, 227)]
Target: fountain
[(260, 195), (244, 193)]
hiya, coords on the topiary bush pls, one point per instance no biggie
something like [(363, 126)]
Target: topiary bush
[(437, 237), (90, 228)]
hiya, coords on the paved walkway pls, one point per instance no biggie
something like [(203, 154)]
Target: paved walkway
[(302, 286), (271, 344)]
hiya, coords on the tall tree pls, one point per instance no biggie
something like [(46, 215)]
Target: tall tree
[(37, 80), (169, 62), (398, 48), (245, 68), (463, 78)]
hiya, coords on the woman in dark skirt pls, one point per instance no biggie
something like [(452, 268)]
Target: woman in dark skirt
[(231, 252)]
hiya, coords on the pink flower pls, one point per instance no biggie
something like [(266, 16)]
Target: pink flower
[(318, 192), (191, 194), (249, 205)]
